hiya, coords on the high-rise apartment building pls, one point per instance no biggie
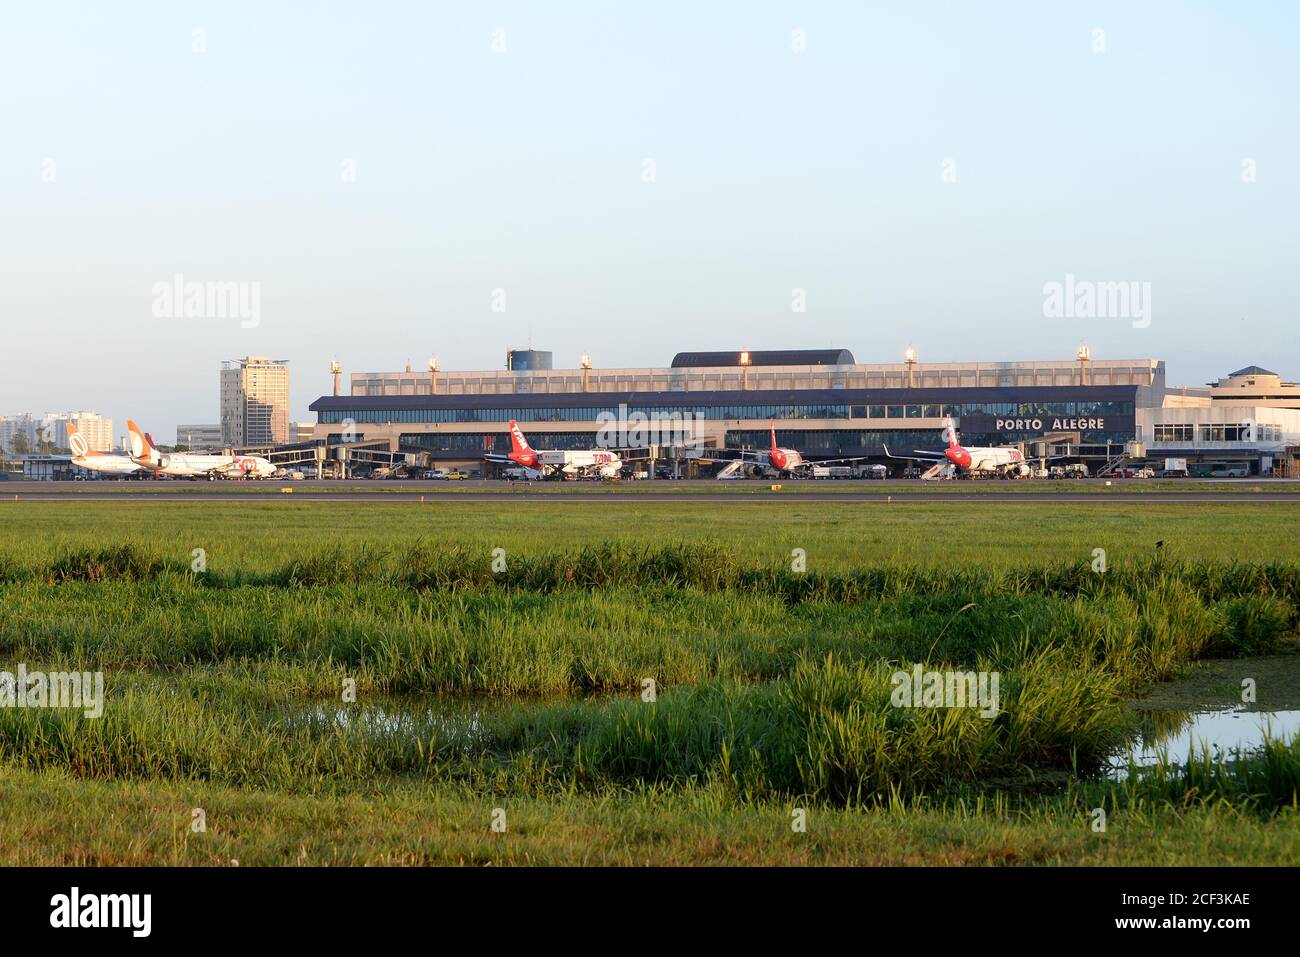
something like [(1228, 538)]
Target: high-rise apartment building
[(254, 401), (97, 429)]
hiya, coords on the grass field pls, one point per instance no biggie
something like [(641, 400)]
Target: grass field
[(262, 535), (771, 633)]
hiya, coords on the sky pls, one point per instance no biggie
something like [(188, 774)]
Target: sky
[(399, 180)]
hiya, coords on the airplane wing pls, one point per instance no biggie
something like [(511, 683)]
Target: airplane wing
[(857, 458), (918, 455), (731, 455), (226, 467)]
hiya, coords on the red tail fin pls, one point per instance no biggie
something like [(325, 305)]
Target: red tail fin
[(950, 432), (773, 435), (517, 441)]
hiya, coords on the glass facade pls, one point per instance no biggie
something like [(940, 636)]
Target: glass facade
[(815, 410), (1174, 433), (821, 422), (838, 441)]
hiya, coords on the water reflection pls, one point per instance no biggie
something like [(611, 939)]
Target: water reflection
[(458, 722), (1170, 736)]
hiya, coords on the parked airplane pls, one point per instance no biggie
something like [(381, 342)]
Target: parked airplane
[(96, 461), (789, 461), (191, 464), (1007, 461), (556, 463)]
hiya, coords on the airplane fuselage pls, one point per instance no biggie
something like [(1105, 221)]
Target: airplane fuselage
[(575, 462), (108, 464), (985, 459), (786, 460), (185, 465)]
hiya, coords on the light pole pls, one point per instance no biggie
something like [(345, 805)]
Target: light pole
[(585, 363), (1083, 355), (433, 375), (909, 357), (744, 370), (336, 370)]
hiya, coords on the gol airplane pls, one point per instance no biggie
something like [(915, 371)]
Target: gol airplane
[(194, 465)]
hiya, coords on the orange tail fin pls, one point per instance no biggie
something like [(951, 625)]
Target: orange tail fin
[(77, 442), (141, 447)]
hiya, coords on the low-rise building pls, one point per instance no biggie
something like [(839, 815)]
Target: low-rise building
[(202, 437)]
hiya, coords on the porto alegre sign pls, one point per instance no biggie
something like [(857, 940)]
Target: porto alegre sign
[(1050, 425)]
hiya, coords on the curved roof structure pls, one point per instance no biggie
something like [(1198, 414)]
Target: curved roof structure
[(787, 357)]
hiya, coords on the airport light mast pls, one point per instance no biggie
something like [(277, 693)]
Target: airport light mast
[(433, 375), (585, 362), (1083, 355), (909, 357), (744, 370), (336, 370)]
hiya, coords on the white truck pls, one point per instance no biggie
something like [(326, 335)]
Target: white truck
[(831, 472)]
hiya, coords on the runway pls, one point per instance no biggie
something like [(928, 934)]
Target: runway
[(1273, 492)]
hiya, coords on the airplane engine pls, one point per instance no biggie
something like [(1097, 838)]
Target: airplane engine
[(1021, 470)]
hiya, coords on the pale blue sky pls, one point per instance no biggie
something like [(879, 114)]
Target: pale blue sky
[(522, 170)]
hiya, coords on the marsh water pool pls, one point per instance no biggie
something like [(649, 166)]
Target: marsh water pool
[(1172, 737)]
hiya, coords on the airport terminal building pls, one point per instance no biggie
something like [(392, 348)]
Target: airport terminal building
[(827, 405)]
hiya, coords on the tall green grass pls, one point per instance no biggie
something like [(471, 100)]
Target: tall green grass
[(827, 734), (705, 566), (774, 683), (827, 731), (580, 641), (1263, 781)]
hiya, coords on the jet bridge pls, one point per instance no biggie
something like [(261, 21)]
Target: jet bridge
[(338, 459)]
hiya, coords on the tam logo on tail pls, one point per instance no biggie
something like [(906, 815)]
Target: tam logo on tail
[(949, 432), (517, 440), (521, 453)]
